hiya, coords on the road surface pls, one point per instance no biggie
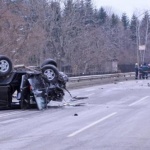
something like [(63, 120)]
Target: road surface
[(114, 117)]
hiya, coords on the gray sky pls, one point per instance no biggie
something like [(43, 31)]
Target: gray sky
[(121, 6)]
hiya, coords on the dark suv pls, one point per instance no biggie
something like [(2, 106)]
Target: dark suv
[(30, 86)]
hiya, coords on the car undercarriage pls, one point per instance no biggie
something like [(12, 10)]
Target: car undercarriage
[(33, 87)]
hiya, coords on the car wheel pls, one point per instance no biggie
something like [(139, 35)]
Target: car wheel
[(5, 65), (49, 62), (50, 72)]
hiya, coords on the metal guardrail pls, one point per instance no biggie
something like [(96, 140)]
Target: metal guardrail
[(85, 81), (104, 76)]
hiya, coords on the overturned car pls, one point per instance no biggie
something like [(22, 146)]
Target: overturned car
[(32, 86)]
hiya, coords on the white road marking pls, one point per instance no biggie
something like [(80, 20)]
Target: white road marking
[(15, 113), (121, 82), (90, 125), (89, 95), (9, 114), (88, 90), (139, 100), (10, 120)]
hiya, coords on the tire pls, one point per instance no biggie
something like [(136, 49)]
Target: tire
[(5, 66), (51, 73), (49, 62)]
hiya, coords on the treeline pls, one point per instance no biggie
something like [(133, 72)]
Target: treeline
[(78, 36)]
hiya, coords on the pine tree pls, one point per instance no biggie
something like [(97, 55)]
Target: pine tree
[(145, 27), (68, 7), (102, 16), (146, 21), (89, 8), (125, 21), (88, 12), (133, 27), (114, 20)]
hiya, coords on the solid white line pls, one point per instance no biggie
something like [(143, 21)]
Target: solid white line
[(139, 101), (89, 90), (90, 94), (92, 124), (11, 120), (121, 82), (9, 114)]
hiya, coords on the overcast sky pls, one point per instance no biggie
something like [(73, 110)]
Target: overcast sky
[(121, 6)]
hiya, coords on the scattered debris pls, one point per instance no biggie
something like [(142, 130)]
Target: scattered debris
[(73, 104), (78, 98), (75, 97), (75, 114)]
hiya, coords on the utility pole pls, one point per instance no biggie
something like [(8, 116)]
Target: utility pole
[(141, 49)]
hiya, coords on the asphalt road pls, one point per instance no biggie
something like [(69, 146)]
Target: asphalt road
[(114, 117)]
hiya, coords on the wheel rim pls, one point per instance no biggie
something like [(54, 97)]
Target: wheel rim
[(4, 66), (50, 74)]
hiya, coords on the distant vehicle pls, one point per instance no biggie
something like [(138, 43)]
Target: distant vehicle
[(144, 70), (34, 86)]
